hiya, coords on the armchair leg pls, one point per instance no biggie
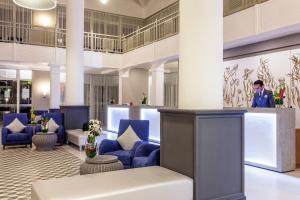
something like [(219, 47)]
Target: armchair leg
[(3, 147), (31, 145)]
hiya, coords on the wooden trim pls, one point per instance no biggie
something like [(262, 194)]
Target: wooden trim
[(298, 147)]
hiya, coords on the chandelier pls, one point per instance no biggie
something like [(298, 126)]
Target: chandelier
[(37, 4)]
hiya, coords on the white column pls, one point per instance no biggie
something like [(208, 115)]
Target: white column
[(54, 86), (157, 73), (75, 53), (122, 74), (201, 54)]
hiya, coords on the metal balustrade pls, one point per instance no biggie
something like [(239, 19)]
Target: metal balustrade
[(52, 37)]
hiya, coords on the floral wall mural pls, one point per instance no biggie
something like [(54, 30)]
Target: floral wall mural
[(280, 72)]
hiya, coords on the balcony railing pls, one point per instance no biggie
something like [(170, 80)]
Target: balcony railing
[(26, 34), (233, 6)]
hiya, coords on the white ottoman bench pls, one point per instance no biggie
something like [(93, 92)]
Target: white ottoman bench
[(150, 183), (79, 137)]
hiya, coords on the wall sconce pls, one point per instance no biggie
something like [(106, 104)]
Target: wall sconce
[(44, 90), (104, 1)]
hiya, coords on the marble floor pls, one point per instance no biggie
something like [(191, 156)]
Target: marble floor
[(260, 184)]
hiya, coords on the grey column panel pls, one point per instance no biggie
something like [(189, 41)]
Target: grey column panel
[(207, 146), (75, 116)]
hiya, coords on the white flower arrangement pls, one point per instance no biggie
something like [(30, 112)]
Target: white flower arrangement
[(95, 127)]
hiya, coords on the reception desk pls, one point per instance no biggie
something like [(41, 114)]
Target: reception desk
[(270, 139), (269, 133)]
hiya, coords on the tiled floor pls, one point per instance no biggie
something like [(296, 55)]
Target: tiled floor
[(20, 167), (259, 184)]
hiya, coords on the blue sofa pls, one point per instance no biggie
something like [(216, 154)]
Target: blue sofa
[(146, 155), (58, 118), (111, 147), (23, 138)]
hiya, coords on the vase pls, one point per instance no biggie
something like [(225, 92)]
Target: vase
[(91, 150)]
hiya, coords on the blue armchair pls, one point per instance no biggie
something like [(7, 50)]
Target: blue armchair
[(57, 117), (146, 155), (110, 147), (23, 138)]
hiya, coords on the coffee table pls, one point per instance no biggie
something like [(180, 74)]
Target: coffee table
[(44, 141)]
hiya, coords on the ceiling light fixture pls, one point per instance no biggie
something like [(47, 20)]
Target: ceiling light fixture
[(104, 1), (37, 4)]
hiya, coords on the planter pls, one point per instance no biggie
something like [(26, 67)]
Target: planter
[(91, 150)]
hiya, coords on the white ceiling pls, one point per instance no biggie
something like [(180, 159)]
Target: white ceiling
[(142, 3)]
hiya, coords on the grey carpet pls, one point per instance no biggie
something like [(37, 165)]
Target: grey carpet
[(20, 167)]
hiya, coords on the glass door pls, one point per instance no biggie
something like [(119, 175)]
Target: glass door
[(15, 91)]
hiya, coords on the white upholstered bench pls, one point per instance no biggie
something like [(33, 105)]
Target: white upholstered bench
[(79, 137), (151, 183)]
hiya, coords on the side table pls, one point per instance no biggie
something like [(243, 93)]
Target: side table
[(44, 141), (99, 164)]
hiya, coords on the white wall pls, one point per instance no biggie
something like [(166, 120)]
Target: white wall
[(264, 21), (154, 6), (278, 65), (162, 50), (40, 54), (134, 86), (40, 80), (121, 7)]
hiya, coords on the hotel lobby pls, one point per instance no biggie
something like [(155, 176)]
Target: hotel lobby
[(147, 99)]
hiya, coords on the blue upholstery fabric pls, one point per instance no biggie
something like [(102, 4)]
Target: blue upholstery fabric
[(146, 155), (124, 156), (17, 137), (109, 147), (140, 127), (8, 118), (40, 112), (9, 138), (57, 117)]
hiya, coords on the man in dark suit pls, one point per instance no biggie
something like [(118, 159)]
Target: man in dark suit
[(262, 98)]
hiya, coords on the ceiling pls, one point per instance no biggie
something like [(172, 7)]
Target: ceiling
[(142, 3)]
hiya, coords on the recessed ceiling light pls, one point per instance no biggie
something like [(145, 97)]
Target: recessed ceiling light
[(37, 4), (104, 1)]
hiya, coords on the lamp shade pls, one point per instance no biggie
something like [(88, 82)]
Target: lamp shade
[(37, 4)]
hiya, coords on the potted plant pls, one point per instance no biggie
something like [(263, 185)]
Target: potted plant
[(95, 129), (44, 125), (32, 116), (279, 93)]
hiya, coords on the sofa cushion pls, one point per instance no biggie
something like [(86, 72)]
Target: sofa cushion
[(15, 126), (124, 156), (128, 139), (52, 126), (17, 137)]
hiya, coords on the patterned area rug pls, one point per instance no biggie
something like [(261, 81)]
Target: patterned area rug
[(19, 168)]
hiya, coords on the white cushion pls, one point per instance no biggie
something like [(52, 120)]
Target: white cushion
[(15, 126), (128, 139), (52, 125)]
